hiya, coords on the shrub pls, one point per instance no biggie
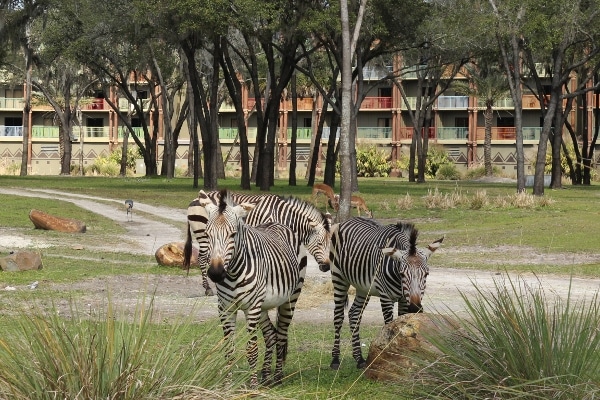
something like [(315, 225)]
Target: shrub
[(448, 172), (479, 172), (436, 157), (111, 165), (516, 342), (371, 162)]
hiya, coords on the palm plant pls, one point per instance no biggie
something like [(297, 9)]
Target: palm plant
[(488, 84)]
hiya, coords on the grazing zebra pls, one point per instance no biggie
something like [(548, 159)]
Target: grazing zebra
[(255, 269), (312, 226), (359, 253)]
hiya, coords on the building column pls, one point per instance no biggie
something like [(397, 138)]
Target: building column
[(282, 141)]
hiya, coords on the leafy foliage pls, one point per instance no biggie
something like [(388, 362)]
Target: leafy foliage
[(110, 165), (436, 157)]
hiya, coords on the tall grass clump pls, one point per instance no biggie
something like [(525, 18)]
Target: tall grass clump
[(111, 356), (517, 342)]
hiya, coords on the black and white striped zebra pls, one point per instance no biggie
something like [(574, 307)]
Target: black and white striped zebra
[(378, 260), (197, 217), (255, 269), (313, 227)]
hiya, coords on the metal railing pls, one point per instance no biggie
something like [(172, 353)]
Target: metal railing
[(12, 131), (374, 133), (12, 103), (301, 133), (451, 133), (456, 102), (374, 103)]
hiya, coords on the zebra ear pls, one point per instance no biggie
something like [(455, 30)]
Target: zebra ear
[(391, 252), (434, 246), (203, 198)]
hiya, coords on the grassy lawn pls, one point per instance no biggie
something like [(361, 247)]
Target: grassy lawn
[(495, 235)]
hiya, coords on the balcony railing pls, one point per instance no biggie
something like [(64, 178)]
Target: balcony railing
[(138, 130), (13, 131), (44, 132), (327, 133), (407, 132), (96, 104), (374, 133), (452, 133), (501, 103), (9, 103), (453, 102), (301, 133), (376, 103), (376, 73), (509, 133)]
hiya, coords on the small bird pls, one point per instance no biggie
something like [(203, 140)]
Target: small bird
[(129, 205)]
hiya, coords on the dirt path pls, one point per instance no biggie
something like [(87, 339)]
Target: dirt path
[(179, 294)]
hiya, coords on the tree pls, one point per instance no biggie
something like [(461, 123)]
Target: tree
[(488, 84)]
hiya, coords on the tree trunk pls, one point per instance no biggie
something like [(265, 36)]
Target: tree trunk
[(488, 116), (26, 156), (331, 153), (346, 106), (292, 173)]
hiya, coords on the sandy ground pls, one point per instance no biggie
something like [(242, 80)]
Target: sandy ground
[(180, 294)]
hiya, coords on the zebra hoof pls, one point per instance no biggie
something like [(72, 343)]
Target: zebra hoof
[(335, 364), (209, 292), (361, 364)]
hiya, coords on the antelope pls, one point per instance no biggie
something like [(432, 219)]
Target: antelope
[(359, 203), (322, 188), (355, 202)]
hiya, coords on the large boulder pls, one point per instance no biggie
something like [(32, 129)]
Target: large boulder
[(393, 353), (21, 261), (171, 255), (42, 220)]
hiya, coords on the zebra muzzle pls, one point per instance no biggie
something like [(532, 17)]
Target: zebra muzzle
[(415, 308), (324, 267), (216, 272)]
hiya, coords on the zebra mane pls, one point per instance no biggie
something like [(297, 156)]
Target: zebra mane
[(222, 200), (412, 233)]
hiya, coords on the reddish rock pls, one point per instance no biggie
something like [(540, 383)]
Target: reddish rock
[(42, 220), (392, 353), (171, 255), (21, 261)]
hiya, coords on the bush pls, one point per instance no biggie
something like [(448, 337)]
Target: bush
[(436, 157), (448, 172), (111, 165), (371, 162), (515, 342)]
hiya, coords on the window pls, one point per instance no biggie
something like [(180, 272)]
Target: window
[(461, 122), (385, 92), (307, 122), (505, 122), (13, 121)]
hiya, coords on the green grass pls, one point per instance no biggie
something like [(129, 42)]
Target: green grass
[(566, 226)]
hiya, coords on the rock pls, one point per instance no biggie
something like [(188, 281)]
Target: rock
[(171, 255), (21, 261), (392, 353), (42, 220)]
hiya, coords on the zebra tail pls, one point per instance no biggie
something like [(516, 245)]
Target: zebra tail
[(187, 250)]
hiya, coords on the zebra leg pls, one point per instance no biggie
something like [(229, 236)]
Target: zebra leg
[(228, 323), (205, 284), (253, 317), (270, 336), (355, 316), (340, 298), (387, 309)]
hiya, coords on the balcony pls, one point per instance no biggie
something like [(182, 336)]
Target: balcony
[(406, 132), (501, 103), (11, 131), (376, 73), (96, 104), (452, 133), (327, 133), (8, 103), (374, 133), (376, 103), (301, 133), (452, 102), (509, 133)]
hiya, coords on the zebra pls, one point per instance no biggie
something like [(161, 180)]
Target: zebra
[(360, 252), (197, 218), (255, 269), (314, 228)]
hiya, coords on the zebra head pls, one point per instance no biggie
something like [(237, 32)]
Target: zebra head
[(412, 264), (319, 240), (222, 227)]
